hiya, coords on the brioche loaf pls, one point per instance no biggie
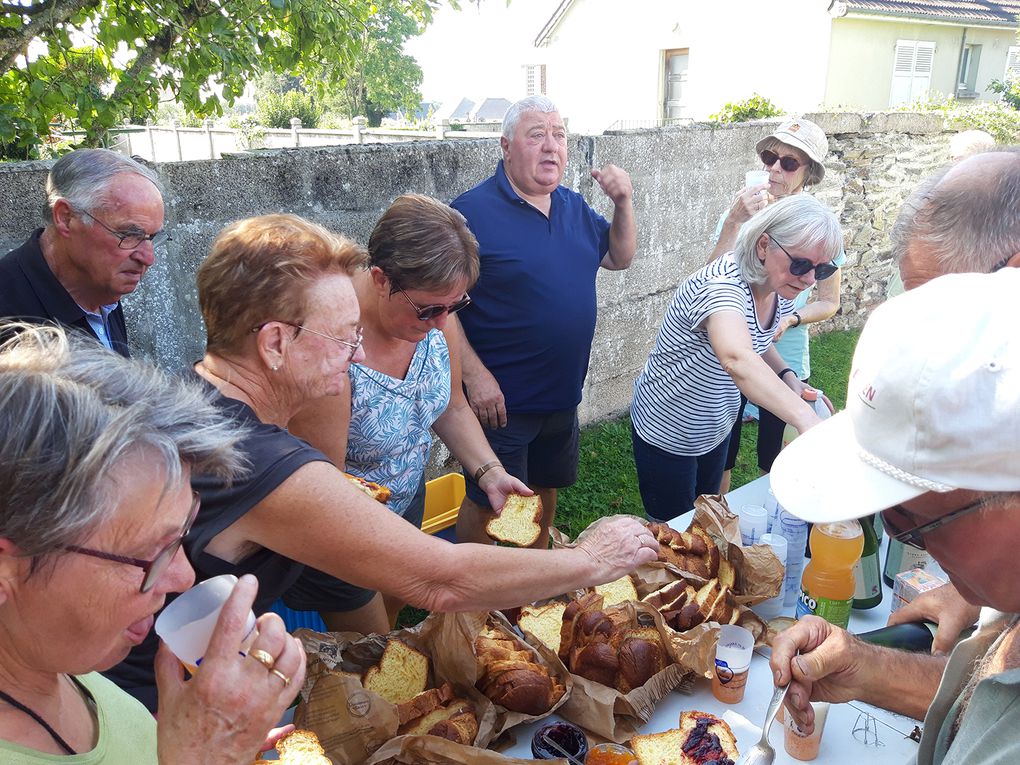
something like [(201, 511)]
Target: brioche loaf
[(618, 591), (300, 747), (682, 607), (437, 712), (544, 623), (511, 678), (519, 522), (401, 674), (701, 739), (692, 550)]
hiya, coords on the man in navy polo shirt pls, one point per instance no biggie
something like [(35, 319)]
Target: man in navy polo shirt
[(104, 220), (530, 327)]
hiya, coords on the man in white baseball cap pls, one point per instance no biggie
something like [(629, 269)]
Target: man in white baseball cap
[(930, 437)]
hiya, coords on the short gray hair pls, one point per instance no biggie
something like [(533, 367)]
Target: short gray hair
[(82, 178), (70, 412), (797, 221), (530, 104), (964, 227)]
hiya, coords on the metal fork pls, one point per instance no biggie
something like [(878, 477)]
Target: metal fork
[(762, 753)]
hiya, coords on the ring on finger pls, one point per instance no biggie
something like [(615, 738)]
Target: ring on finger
[(264, 658), (279, 674)]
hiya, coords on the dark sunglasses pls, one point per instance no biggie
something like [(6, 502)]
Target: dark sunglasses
[(800, 266), (429, 312), (914, 537), (153, 568), (788, 163)]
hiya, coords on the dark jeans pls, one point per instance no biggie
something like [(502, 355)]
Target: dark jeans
[(669, 483)]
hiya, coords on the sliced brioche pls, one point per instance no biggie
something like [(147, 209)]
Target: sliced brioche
[(402, 673), (701, 738), (423, 703), (618, 591), (544, 623), (727, 574), (459, 712), (519, 522), (301, 747)]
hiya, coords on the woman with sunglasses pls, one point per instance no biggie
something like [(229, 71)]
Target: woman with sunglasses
[(793, 155), (282, 324), (715, 343), (423, 259)]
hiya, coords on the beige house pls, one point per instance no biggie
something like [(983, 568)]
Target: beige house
[(612, 64)]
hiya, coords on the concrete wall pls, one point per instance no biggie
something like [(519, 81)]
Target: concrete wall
[(683, 178), (861, 59)]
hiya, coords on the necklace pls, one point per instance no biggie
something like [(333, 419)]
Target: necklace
[(38, 718)]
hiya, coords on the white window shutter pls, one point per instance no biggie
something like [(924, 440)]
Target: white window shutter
[(903, 72), (923, 65), (1012, 63)]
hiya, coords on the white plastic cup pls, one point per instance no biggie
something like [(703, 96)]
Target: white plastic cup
[(773, 607), (772, 510), (732, 663), (754, 178), (187, 624), (796, 532), (799, 745), (753, 523)]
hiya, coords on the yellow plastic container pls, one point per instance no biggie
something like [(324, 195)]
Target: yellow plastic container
[(443, 496)]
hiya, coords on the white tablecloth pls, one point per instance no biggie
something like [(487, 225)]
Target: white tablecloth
[(887, 737)]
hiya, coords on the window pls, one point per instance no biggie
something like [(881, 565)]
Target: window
[(1012, 63), (912, 65), (534, 76), (967, 87), (674, 82)]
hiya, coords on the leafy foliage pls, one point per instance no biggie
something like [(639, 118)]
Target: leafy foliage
[(1009, 91), (275, 110), (754, 108), (998, 119), (200, 53)]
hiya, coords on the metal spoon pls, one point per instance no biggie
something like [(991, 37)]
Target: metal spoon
[(762, 753), (570, 758)]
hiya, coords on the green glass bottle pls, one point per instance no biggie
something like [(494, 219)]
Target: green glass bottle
[(867, 571), (913, 636)]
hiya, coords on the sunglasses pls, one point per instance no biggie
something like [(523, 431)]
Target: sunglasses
[(153, 568), (914, 537), (429, 312), (801, 266), (788, 163)]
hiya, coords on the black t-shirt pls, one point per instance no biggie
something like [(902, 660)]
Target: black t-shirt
[(273, 455)]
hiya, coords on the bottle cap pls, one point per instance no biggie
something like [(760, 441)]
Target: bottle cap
[(809, 394)]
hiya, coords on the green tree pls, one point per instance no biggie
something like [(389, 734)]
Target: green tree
[(383, 78), (202, 52)]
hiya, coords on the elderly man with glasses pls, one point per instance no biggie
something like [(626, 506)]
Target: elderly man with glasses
[(104, 222), (931, 438)]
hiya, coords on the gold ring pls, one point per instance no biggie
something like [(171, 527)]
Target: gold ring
[(264, 658), (279, 674)]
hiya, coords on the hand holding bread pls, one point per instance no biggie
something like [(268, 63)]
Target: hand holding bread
[(618, 545)]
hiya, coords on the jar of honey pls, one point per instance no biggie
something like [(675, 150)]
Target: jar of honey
[(609, 754)]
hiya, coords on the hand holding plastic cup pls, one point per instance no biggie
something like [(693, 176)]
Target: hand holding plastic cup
[(732, 662), (753, 523), (187, 624), (754, 178), (797, 743)]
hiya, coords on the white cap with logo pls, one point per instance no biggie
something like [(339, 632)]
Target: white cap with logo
[(933, 404)]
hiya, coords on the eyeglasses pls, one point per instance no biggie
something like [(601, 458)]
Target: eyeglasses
[(788, 163), (129, 240), (352, 347), (429, 312), (914, 537), (153, 568), (801, 266)]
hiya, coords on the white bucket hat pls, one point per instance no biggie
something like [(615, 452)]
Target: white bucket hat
[(933, 404), (801, 134)]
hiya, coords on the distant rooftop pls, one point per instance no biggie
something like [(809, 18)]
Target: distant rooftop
[(981, 12), (491, 110)]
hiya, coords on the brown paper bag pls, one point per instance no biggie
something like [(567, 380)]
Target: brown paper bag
[(617, 716), (432, 750)]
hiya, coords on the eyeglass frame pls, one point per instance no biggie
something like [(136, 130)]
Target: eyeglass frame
[(821, 270), (783, 160), (158, 239), (435, 310), (164, 557), (914, 537), (360, 332)]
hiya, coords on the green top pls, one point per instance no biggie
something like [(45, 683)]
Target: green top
[(127, 732)]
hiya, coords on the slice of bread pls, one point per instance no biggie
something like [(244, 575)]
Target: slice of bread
[(544, 622), (618, 591), (519, 522), (301, 747), (401, 674), (700, 738)]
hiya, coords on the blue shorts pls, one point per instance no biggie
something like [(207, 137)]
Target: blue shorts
[(539, 449), (317, 591)]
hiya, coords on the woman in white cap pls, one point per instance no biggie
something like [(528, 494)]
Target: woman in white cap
[(793, 156)]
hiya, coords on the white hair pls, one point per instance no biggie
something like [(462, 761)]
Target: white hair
[(530, 104)]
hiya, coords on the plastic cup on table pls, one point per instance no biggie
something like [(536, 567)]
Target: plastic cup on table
[(732, 662), (772, 510), (753, 523), (187, 624), (773, 607)]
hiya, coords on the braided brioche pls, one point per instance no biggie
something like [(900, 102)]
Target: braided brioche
[(510, 676)]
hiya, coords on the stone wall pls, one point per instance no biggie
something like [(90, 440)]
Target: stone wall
[(683, 178)]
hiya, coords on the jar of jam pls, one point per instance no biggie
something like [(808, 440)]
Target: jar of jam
[(566, 736), (609, 754)]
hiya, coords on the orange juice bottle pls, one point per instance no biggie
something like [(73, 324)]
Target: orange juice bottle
[(827, 587)]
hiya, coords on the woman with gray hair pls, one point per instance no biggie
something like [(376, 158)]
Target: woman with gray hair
[(96, 455), (716, 343), (423, 259)]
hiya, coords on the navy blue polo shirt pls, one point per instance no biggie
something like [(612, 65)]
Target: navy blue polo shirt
[(532, 318)]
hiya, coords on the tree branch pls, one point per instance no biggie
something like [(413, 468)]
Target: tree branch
[(17, 43)]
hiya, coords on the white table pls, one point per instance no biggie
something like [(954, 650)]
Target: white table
[(887, 740)]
